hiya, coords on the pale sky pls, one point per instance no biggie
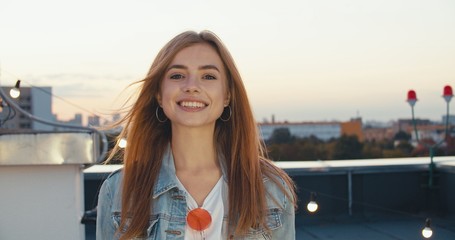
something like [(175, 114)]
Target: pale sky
[(300, 60)]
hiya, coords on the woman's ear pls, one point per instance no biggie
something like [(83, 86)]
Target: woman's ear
[(158, 99), (227, 100)]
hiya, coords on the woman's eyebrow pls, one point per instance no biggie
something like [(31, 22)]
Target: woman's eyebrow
[(176, 66), (209, 67), (204, 67)]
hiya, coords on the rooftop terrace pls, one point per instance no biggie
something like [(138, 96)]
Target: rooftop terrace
[(358, 199), (47, 182)]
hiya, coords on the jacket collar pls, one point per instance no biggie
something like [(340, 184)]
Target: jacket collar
[(167, 179)]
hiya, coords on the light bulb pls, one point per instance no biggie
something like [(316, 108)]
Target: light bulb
[(14, 92), (122, 143), (312, 206), (427, 232)]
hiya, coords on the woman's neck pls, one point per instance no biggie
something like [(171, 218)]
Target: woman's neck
[(194, 149), (195, 160)]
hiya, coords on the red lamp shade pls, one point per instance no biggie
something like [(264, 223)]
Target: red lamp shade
[(412, 96), (448, 91)]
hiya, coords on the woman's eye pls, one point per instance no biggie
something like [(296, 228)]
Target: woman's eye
[(176, 76), (209, 77)]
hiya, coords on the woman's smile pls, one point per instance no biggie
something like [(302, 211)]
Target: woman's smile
[(192, 106)]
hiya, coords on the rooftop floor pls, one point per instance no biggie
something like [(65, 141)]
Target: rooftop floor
[(372, 181), (354, 228), (372, 228)]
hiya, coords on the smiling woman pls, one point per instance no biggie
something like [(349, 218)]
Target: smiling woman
[(194, 89), (194, 167)]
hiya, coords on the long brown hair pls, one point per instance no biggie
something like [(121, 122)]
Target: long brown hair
[(237, 140)]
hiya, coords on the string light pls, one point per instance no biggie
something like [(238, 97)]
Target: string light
[(51, 94), (122, 143), (427, 232), (312, 206), (16, 92), (8, 112)]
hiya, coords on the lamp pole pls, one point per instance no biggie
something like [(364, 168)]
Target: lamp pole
[(412, 99)]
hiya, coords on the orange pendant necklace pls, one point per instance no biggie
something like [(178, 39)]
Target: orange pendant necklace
[(199, 219)]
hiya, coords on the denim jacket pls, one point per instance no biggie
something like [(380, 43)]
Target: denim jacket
[(168, 211)]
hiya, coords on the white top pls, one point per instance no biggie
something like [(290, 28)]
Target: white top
[(213, 203)]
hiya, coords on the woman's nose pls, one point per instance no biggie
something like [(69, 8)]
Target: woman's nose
[(191, 85)]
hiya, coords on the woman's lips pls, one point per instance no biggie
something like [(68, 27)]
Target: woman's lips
[(192, 104)]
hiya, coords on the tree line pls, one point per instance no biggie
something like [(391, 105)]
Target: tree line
[(282, 146)]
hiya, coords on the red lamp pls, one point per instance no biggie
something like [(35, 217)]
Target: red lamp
[(412, 98), (448, 93)]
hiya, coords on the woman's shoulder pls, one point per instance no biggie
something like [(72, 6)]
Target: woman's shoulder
[(114, 179), (271, 174), (115, 175), (110, 192), (278, 185)]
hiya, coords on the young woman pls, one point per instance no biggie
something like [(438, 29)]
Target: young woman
[(194, 167)]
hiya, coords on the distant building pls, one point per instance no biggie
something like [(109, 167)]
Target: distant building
[(321, 130), (116, 117), (434, 132), (426, 129), (36, 101), (405, 124), (77, 120), (451, 119), (353, 127), (378, 134), (94, 121)]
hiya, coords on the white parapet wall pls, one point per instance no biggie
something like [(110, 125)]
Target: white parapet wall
[(41, 185)]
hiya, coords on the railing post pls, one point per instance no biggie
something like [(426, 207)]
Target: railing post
[(350, 192)]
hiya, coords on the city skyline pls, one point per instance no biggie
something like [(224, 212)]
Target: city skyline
[(300, 60)]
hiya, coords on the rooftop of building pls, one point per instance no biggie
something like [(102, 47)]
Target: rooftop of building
[(358, 199), (362, 199)]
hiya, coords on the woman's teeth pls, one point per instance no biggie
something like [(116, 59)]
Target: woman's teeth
[(192, 104)]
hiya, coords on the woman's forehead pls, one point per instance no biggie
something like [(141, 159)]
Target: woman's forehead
[(198, 54)]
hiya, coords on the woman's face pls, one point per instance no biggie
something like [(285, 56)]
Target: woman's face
[(194, 88)]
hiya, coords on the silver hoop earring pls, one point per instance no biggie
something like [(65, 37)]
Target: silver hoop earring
[(230, 114), (157, 116)]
